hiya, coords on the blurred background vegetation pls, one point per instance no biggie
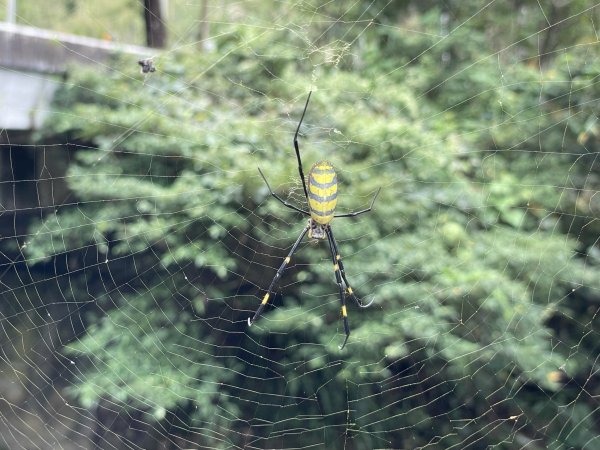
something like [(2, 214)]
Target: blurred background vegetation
[(479, 122)]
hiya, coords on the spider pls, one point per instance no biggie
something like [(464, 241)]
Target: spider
[(321, 196)]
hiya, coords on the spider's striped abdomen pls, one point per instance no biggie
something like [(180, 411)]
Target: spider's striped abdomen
[(322, 192)]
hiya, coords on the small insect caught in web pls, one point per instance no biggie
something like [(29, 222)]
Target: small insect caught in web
[(147, 65)]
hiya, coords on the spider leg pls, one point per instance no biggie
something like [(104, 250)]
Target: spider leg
[(354, 214), (284, 264), (338, 279), (297, 148), (289, 205), (340, 264)]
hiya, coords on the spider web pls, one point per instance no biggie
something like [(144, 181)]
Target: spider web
[(138, 237)]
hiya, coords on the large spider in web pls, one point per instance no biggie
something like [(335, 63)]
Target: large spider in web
[(321, 196)]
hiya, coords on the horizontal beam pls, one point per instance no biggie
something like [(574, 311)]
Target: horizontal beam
[(38, 50), (30, 60)]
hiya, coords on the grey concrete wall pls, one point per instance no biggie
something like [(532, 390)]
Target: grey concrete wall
[(31, 60), (35, 49)]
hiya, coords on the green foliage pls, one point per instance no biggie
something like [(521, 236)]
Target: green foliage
[(118, 20), (474, 269)]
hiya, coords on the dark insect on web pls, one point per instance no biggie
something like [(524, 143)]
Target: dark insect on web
[(147, 65), (321, 197)]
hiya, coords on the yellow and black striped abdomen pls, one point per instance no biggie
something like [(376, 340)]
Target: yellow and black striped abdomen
[(322, 192)]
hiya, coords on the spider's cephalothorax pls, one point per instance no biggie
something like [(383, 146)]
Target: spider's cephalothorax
[(316, 230), (321, 196)]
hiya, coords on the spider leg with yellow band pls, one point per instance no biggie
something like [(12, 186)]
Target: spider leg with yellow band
[(284, 264), (338, 262), (321, 197)]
